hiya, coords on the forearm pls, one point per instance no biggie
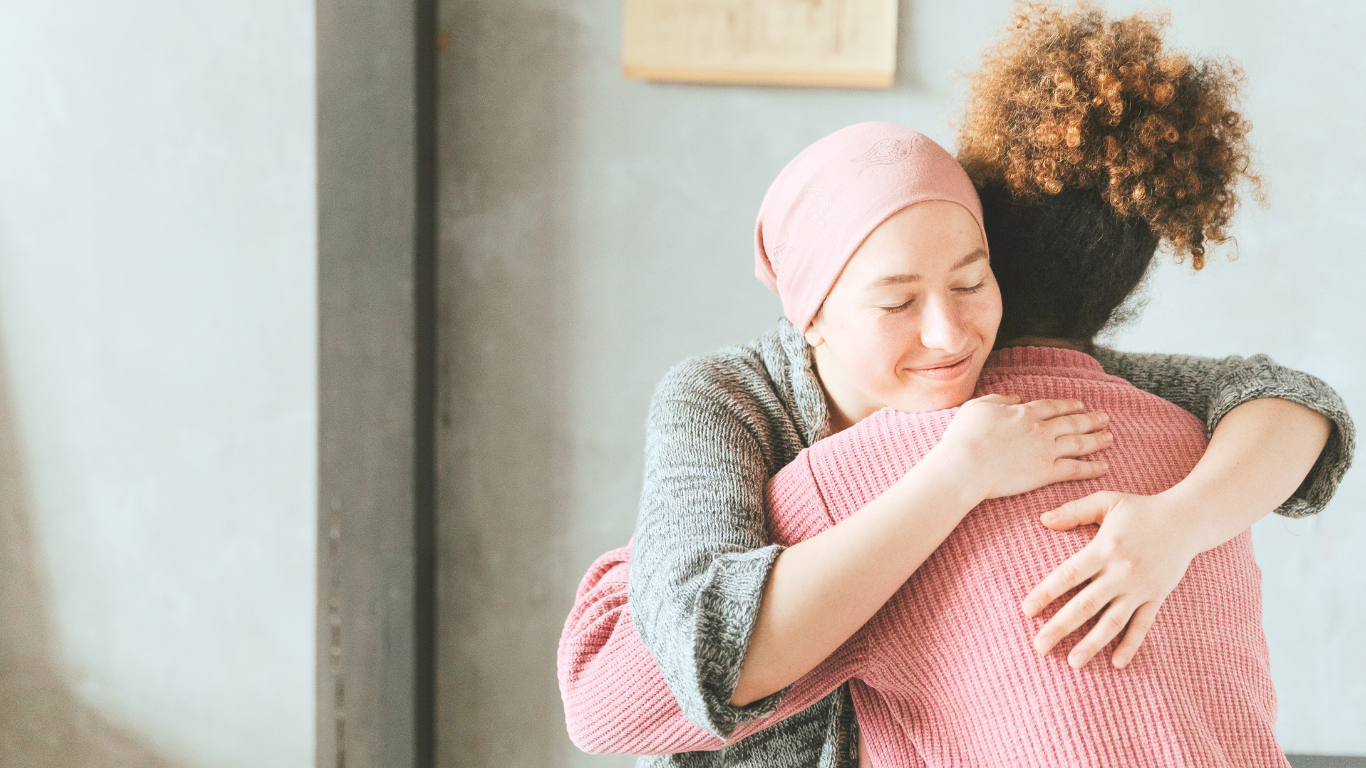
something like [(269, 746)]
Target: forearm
[(1257, 457), (1212, 388), (892, 512), (822, 590)]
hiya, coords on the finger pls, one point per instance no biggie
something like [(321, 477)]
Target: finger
[(1073, 571), (1088, 602), (1045, 410), (1078, 423), (1138, 630), (1111, 623), (1072, 446), (1076, 469), (1088, 510)]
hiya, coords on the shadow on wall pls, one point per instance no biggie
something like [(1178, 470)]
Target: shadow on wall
[(42, 724)]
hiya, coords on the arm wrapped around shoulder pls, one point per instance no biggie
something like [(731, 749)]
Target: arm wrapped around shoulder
[(1209, 388)]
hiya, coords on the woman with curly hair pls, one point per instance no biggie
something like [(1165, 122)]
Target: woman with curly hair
[(1092, 144)]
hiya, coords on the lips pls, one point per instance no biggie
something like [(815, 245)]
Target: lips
[(947, 371)]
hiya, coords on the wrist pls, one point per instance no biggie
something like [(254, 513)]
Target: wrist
[(1192, 515), (950, 475)]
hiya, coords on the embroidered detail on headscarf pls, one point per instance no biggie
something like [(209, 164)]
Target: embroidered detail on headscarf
[(889, 151)]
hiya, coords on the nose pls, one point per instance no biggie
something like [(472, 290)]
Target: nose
[(942, 326)]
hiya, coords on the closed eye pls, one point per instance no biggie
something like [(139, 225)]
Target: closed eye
[(972, 289)]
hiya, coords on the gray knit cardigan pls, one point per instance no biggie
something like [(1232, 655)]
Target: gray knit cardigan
[(721, 425)]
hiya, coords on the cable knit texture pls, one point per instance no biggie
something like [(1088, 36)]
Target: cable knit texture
[(720, 425)]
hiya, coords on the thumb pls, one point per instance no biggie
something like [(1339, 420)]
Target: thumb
[(1090, 510)]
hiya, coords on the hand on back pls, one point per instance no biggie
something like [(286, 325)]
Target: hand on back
[(1007, 447), (1137, 558)]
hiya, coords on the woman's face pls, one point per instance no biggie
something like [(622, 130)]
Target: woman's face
[(912, 317)]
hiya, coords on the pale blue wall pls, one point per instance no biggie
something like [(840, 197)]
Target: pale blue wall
[(157, 303)]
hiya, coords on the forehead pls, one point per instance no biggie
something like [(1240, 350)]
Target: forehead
[(925, 239)]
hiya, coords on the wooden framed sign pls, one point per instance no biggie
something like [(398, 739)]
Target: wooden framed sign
[(848, 43)]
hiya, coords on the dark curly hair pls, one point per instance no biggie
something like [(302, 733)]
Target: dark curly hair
[(1074, 118), (1065, 266)]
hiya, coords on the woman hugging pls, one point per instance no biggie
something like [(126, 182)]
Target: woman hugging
[(925, 521)]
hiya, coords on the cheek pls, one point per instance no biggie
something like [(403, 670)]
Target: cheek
[(983, 316), (894, 343), (872, 350)]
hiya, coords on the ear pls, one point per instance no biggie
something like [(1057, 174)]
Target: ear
[(813, 335)]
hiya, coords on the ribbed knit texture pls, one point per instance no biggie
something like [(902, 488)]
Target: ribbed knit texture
[(721, 425), (950, 656), (616, 699)]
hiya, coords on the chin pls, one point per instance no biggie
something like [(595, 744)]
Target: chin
[(925, 401)]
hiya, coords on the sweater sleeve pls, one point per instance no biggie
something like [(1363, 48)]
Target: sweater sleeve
[(615, 698), (702, 551), (1209, 388)]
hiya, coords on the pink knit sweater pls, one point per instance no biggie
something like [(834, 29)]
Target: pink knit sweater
[(945, 674)]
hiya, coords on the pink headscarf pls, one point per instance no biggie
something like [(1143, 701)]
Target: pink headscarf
[(828, 200)]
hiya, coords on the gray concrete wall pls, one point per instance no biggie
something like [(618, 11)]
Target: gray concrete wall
[(376, 338), (157, 384), (595, 231)]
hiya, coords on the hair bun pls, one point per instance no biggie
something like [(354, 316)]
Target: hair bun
[(1076, 100)]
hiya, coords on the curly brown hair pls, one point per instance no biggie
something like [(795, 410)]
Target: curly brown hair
[(1071, 99)]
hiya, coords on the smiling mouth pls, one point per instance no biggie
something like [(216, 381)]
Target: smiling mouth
[(946, 372)]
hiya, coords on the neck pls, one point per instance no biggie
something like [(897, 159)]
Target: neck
[(1043, 341)]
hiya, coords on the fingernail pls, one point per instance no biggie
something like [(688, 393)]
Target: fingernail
[(1030, 608), (1105, 418), (1075, 661), (1120, 661), (1048, 517)]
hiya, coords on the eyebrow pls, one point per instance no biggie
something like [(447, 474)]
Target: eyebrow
[(975, 256)]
